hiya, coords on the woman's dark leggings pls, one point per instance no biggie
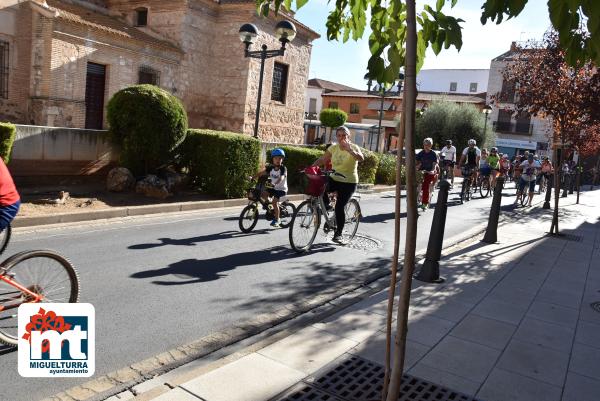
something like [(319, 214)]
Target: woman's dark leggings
[(345, 191)]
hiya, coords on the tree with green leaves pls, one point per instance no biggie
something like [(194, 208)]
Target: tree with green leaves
[(399, 38)]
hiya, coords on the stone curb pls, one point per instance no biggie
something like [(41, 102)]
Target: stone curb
[(323, 305), (118, 212)]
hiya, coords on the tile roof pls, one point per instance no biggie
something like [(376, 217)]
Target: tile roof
[(429, 96), (329, 85), (84, 16)]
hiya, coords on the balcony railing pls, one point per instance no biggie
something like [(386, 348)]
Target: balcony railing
[(512, 127)]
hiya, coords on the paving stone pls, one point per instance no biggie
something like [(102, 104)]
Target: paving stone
[(537, 362), (177, 394), (308, 350), (428, 330), (357, 326), (503, 311), (462, 358), (554, 313), (443, 378), (502, 385), (489, 332), (580, 388), (585, 360), (444, 309), (588, 334), (251, 378), (373, 350), (507, 293), (559, 338)]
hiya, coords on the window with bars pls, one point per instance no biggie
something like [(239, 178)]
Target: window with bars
[(507, 94), (4, 66), (141, 16), (279, 85), (473, 87), (453, 86), (149, 75), (354, 108), (333, 105)]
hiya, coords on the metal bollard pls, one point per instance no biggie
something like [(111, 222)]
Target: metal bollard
[(549, 187), (430, 272), (491, 233), (565, 185)]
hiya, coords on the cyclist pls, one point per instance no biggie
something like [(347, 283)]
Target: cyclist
[(493, 161), (529, 171), (505, 166), (427, 161), (484, 167), (278, 175), (10, 201), (344, 157), (448, 154), (546, 172), (469, 161)]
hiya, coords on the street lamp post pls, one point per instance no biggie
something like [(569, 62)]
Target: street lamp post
[(383, 93), (285, 32), (486, 110)]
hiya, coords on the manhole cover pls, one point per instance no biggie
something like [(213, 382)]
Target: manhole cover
[(357, 379), (364, 243), (596, 306)]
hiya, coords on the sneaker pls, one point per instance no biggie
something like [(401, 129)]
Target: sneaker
[(275, 224), (424, 206), (338, 239)]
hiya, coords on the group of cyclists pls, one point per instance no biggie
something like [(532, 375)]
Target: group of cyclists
[(481, 165)]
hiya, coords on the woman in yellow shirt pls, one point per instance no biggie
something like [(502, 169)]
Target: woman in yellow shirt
[(344, 157)]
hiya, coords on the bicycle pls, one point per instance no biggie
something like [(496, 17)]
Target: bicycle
[(249, 215), (468, 186), (307, 218), (484, 185), (32, 277)]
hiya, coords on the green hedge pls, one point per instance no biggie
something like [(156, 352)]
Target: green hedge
[(220, 162), (7, 137), (386, 171), (367, 169), (147, 124), (297, 158)]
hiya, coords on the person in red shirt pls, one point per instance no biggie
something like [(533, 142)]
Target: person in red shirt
[(10, 201)]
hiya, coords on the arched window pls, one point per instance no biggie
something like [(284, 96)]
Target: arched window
[(141, 16)]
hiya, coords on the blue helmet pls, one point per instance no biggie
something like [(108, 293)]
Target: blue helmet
[(278, 152)]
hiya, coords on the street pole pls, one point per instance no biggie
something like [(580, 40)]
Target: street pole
[(263, 57), (549, 186), (380, 119)]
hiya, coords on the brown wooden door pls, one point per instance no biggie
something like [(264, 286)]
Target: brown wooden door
[(94, 95)]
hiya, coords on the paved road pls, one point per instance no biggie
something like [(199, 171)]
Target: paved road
[(160, 282)]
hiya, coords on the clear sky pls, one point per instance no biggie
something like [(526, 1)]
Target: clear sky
[(346, 62)]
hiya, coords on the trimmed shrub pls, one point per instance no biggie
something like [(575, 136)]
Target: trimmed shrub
[(147, 124), (7, 137), (333, 118), (386, 171), (367, 169), (296, 158), (220, 162)]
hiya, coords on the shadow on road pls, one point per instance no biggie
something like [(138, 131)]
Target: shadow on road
[(381, 218), (195, 240), (191, 271)]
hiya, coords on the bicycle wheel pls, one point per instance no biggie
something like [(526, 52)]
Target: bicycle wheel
[(248, 218), (484, 188), (42, 272), (353, 213), (286, 212), (304, 226), (5, 238)]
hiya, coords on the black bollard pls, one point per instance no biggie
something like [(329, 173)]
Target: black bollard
[(565, 185), (549, 186), (571, 184), (430, 272), (491, 233)]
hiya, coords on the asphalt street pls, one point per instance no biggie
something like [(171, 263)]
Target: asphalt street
[(163, 281)]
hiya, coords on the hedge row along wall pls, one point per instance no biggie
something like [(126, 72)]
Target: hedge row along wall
[(7, 138)]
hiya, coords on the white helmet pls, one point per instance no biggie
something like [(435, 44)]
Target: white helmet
[(428, 140), (472, 142)]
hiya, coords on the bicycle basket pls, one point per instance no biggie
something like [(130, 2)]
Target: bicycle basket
[(312, 183)]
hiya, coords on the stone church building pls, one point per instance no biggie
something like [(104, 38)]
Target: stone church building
[(62, 60)]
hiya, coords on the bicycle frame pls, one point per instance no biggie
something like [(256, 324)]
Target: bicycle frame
[(35, 297)]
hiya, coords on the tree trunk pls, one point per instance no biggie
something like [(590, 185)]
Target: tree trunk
[(558, 171), (410, 94), (394, 274), (578, 182)]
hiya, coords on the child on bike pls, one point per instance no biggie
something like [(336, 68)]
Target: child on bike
[(9, 197), (278, 176)]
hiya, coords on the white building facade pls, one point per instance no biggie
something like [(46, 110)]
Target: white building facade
[(463, 81)]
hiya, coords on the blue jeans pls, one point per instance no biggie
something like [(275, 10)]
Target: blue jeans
[(8, 213)]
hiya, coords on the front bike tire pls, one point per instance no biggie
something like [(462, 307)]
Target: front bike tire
[(286, 213), (353, 214), (43, 272), (5, 238), (248, 218), (304, 226), (484, 188)]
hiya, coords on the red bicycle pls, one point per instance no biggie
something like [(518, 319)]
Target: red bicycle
[(32, 277)]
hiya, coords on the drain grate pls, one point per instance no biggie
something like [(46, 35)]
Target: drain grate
[(356, 379), (596, 306), (364, 243)]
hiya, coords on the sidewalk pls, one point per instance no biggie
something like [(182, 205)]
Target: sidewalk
[(513, 321)]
